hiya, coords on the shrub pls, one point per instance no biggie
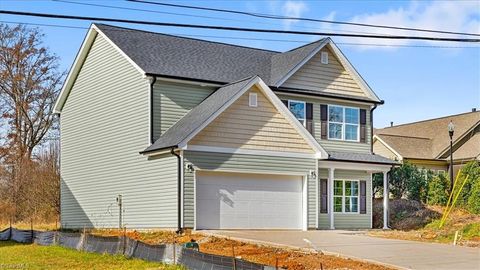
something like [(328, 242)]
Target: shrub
[(408, 181), (473, 203), (438, 190)]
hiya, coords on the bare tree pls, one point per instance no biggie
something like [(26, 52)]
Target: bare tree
[(29, 84)]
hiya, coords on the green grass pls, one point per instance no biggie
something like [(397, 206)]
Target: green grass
[(28, 256)]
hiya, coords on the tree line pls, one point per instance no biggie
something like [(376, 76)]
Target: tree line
[(30, 80)]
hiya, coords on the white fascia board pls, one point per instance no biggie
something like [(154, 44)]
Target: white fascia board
[(354, 166), (82, 54), (227, 150), (299, 65), (75, 69), (375, 137)]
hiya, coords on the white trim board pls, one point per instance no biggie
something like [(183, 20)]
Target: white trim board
[(214, 149), (356, 166)]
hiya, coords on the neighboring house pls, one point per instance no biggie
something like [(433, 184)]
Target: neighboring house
[(206, 135), (426, 144)]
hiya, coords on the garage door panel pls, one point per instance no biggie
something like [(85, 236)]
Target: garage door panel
[(248, 201)]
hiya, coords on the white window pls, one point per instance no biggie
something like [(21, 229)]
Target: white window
[(343, 123), (298, 108), (346, 196), (252, 100), (324, 57)]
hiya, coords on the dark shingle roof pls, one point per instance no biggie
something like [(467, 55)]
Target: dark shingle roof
[(360, 157), (198, 115), (167, 55)]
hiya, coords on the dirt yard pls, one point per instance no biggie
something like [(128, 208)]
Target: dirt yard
[(414, 221), (281, 257)]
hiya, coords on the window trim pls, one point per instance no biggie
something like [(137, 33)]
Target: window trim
[(343, 196), (342, 123), (304, 120), (324, 58)]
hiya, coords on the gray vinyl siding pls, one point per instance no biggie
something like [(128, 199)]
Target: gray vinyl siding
[(104, 126), (349, 221), (171, 101), (246, 163), (332, 145)]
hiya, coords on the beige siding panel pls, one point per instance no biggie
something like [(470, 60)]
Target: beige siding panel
[(246, 163), (255, 128), (104, 126), (380, 149), (328, 78), (349, 221), (171, 101), (330, 145)]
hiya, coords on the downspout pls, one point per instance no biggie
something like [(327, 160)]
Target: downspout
[(152, 82), (371, 127), (179, 191)]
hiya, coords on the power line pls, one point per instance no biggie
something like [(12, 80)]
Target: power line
[(257, 39), (191, 15), (277, 17), (229, 28)]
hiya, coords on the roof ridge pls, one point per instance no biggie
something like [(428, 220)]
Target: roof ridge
[(431, 119), (237, 81), (191, 38), (305, 45)]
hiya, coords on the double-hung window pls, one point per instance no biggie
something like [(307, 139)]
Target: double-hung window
[(298, 108), (343, 123), (346, 196)]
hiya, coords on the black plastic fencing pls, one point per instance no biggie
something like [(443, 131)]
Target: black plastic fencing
[(193, 259), (130, 248), (5, 234)]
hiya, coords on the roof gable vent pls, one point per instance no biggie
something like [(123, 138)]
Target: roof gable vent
[(324, 57)]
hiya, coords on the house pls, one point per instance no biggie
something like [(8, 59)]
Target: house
[(206, 135), (426, 144)]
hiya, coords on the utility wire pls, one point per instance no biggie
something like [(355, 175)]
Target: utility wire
[(277, 17), (253, 39), (229, 28), (190, 15)]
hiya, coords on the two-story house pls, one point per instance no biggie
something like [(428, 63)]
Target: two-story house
[(206, 135)]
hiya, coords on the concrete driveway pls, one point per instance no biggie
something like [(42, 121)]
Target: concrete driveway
[(355, 244)]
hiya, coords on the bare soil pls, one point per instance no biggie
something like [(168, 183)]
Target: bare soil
[(281, 257)]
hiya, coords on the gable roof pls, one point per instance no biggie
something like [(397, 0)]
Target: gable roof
[(428, 139), (200, 116), (157, 54)]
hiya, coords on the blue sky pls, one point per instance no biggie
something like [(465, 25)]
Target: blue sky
[(415, 82)]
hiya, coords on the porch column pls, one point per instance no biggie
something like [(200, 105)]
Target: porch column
[(385, 200), (330, 197)]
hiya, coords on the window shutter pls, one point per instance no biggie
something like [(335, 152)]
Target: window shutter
[(363, 123), (323, 121), (363, 197), (309, 117), (323, 196), (285, 102)]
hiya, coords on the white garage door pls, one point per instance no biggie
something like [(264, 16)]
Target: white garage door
[(248, 201)]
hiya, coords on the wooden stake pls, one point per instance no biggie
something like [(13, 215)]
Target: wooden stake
[(276, 263), (233, 253)]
